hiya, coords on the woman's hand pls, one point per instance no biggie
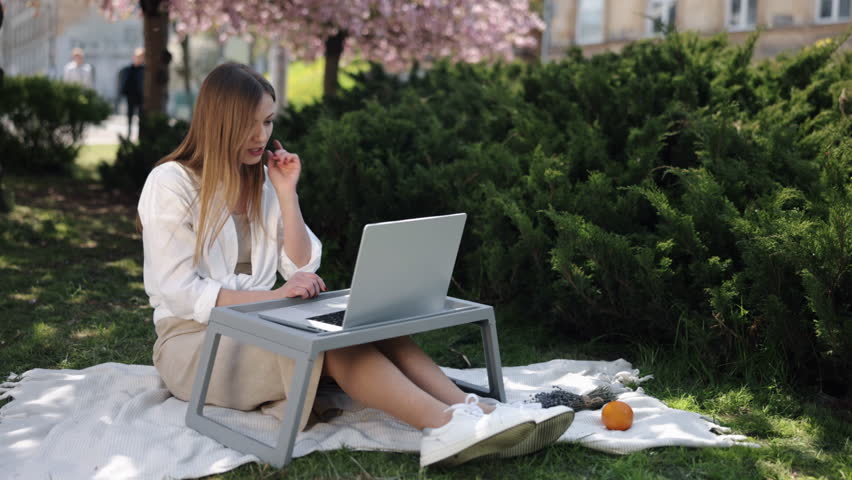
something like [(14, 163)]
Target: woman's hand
[(302, 284), (284, 169)]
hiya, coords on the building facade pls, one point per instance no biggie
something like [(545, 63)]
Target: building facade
[(37, 39), (608, 25)]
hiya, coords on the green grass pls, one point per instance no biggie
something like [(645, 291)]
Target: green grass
[(71, 296), (90, 156), (304, 80)]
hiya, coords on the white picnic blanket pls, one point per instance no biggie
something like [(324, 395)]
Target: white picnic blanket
[(116, 421)]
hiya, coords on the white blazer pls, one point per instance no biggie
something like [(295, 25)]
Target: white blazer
[(169, 210)]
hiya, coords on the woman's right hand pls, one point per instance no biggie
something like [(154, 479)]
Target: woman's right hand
[(302, 284)]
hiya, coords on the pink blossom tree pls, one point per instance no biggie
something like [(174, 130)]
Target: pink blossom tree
[(392, 32)]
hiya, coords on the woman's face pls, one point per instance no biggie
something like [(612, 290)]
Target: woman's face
[(261, 130)]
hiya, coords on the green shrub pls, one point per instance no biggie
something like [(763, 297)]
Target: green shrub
[(42, 122), (675, 192), (134, 161)]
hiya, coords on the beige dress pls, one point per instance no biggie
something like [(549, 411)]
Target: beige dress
[(245, 377)]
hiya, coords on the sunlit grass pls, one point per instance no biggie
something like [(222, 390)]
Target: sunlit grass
[(739, 400), (90, 156), (129, 266), (43, 331), (86, 333), (304, 80), (682, 402), (6, 263), (24, 297)]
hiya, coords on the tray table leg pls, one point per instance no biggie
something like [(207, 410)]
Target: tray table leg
[(492, 357), (293, 411), (488, 328), (206, 359), (282, 452)]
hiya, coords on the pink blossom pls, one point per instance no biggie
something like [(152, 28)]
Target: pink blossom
[(393, 32)]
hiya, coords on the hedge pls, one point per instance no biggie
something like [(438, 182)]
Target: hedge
[(42, 122), (677, 193)]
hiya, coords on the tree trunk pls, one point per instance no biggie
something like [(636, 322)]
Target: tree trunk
[(333, 51), (157, 57), (4, 207), (252, 43), (278, 62), (187, 73)]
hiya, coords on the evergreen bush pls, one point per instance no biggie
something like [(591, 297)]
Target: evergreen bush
[(42, 122), (676, 192), (134, 160)]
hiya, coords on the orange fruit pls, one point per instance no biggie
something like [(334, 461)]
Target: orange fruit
[(617, 415)]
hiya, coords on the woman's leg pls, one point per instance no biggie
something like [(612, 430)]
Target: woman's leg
[(368, 376), (422, 370)]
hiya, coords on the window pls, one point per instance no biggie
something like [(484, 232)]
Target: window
[(829, 11), (590, 17), (661, 14), (741, 14)]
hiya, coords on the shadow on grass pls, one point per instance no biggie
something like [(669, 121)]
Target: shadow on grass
[(832, 429), (563, 461), (71, 288)]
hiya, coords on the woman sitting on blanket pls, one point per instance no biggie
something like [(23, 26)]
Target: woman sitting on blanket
[(216, 226)]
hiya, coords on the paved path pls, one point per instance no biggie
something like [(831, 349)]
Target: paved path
[(107, 133)]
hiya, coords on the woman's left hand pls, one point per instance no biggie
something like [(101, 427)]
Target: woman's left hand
[(284, 169)]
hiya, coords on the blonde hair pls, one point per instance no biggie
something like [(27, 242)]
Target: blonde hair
[(221, 123)]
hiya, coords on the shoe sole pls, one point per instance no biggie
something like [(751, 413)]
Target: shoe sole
[(545, 433), (493, 444)]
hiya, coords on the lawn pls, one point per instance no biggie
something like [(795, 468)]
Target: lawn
[(71, 296), (90, 156), (304, 80)]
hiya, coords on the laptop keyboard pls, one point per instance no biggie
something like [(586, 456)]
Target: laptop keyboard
[(334, 318)]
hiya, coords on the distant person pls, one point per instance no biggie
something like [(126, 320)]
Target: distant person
[(131, 80), (78, 71)]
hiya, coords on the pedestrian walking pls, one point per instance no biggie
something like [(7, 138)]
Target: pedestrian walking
[(131, 80)]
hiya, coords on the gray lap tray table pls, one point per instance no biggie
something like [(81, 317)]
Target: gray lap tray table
[(242, 323)]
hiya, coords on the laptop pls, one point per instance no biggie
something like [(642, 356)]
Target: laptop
[(402, 270)]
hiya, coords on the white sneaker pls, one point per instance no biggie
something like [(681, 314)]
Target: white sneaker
[(471, 433), (550, 424)]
